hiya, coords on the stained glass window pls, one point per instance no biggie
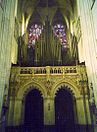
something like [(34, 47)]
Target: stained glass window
[(34, 33), (59, 31)]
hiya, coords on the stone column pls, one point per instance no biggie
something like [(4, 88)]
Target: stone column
[(10, 112), (88, 111), (89, 41), (6, 33), (49, 111), (75, 111), (23, 112), (48, 72), (83, 112), (17, 112), (80, 111)]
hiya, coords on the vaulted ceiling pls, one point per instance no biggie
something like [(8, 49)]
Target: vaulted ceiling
[(67, 9)]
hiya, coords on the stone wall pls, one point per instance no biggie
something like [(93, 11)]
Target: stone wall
[(48, 80), (7, 17)]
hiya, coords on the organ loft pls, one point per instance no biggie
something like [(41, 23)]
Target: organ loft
[(48, 66)]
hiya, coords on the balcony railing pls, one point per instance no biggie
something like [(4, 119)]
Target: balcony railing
[(48, 70)]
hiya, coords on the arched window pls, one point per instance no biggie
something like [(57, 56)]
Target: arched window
[(34, 33), (59, 31)]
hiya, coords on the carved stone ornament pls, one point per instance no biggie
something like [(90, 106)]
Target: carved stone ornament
[(48, 84)]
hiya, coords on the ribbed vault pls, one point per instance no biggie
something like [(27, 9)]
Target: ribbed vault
[(66, 7)]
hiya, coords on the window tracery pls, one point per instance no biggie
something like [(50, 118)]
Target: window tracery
[(59, 32), (34, 33)]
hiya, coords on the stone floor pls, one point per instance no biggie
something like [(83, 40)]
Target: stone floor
[(49, 129)]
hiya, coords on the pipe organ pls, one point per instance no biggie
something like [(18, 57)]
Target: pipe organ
[(47, 47)]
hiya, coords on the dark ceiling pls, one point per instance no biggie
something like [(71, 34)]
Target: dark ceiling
[(44, 3), (67, 9)]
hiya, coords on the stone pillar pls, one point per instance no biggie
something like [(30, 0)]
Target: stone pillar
[(80, 111), (75, 112), (89, 41), (49, 111), (83, 112), (6, 32), (48, 72), (10, 112), (88, 112), (17, 112), (23, 112)]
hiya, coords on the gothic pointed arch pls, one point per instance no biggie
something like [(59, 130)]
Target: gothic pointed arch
[(33, 110), (58, 17), (65, 113), (35, 18), (25, 89), (67, 84)]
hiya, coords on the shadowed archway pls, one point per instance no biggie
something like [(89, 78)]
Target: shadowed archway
[(64, 109), (34, 109)]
